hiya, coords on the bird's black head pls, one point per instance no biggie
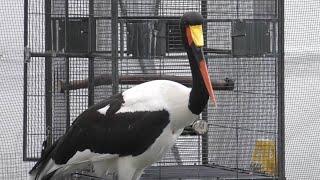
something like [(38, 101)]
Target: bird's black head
[(188, 20), (193, 41), (192, 18)]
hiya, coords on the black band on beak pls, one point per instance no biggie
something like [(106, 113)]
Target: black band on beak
[(198, 52)]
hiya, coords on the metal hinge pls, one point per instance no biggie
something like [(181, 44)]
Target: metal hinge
[(27, 54)]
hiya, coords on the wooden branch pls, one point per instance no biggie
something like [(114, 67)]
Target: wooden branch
[(106, 79)]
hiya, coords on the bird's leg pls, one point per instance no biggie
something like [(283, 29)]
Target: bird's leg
[(176, 154), (125, 170), (137, 174), (129, 174), (125, 173), (104, 168), (99, 171)]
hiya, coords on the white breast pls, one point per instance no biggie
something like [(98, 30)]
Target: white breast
[(160, 95)]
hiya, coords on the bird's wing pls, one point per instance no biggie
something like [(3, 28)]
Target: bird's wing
[(102, 130)]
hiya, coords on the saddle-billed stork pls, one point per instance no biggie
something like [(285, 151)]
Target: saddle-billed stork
[(130, 131)]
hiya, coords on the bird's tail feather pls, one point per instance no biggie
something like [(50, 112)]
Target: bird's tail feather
[(86, 166), (53, 171)]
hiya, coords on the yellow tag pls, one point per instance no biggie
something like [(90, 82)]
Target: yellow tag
[(197, 35), (264, 155)]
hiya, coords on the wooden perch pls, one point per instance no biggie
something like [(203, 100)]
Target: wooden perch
[(106, 79)]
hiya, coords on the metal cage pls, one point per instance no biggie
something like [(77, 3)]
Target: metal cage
[(78, 52)]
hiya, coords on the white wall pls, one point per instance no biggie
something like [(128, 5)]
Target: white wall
[(302, 63), (11, 90), (302, 22)]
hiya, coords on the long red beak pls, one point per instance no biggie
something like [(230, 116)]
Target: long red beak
[(198, 53), (195, 40), (207, 81)]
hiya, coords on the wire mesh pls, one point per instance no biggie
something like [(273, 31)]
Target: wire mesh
[(35, 105), (302, 93), (11, 91)]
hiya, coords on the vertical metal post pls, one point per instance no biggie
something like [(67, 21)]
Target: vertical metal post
[(114, 50), (276, 106), (238, 9), (204, 142), (25, 83), (67, 92), (205, 138), (48, 72), (274, 52), (281, 104), (121, 40), (237, 117), (91, 41)]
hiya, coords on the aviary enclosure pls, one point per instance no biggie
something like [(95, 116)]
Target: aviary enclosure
[(78, 52)]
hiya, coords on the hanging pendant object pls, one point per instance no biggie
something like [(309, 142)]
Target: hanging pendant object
[(200, 127)]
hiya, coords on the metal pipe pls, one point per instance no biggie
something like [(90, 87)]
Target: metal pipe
[(25, 84), (281, 95), (48, 73), (205, 138), (66, 46), (106, 79), (91, 40), (114, 50), (106, 54)]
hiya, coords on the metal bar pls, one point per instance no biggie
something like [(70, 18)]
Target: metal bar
[(31, 159), (276, 106), (104, 55), (106, 79), (281, 103), (114, 51), (237, 118), (166, 18), (217, 51), (157, 5), (25, 84), (177, 18), (274, 40), (276, 10), (121, 41), (238, 9), (91, 40), (144, 18), (48, 72), (205, 138), (107, 53), (66, 30), (123, 8)]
